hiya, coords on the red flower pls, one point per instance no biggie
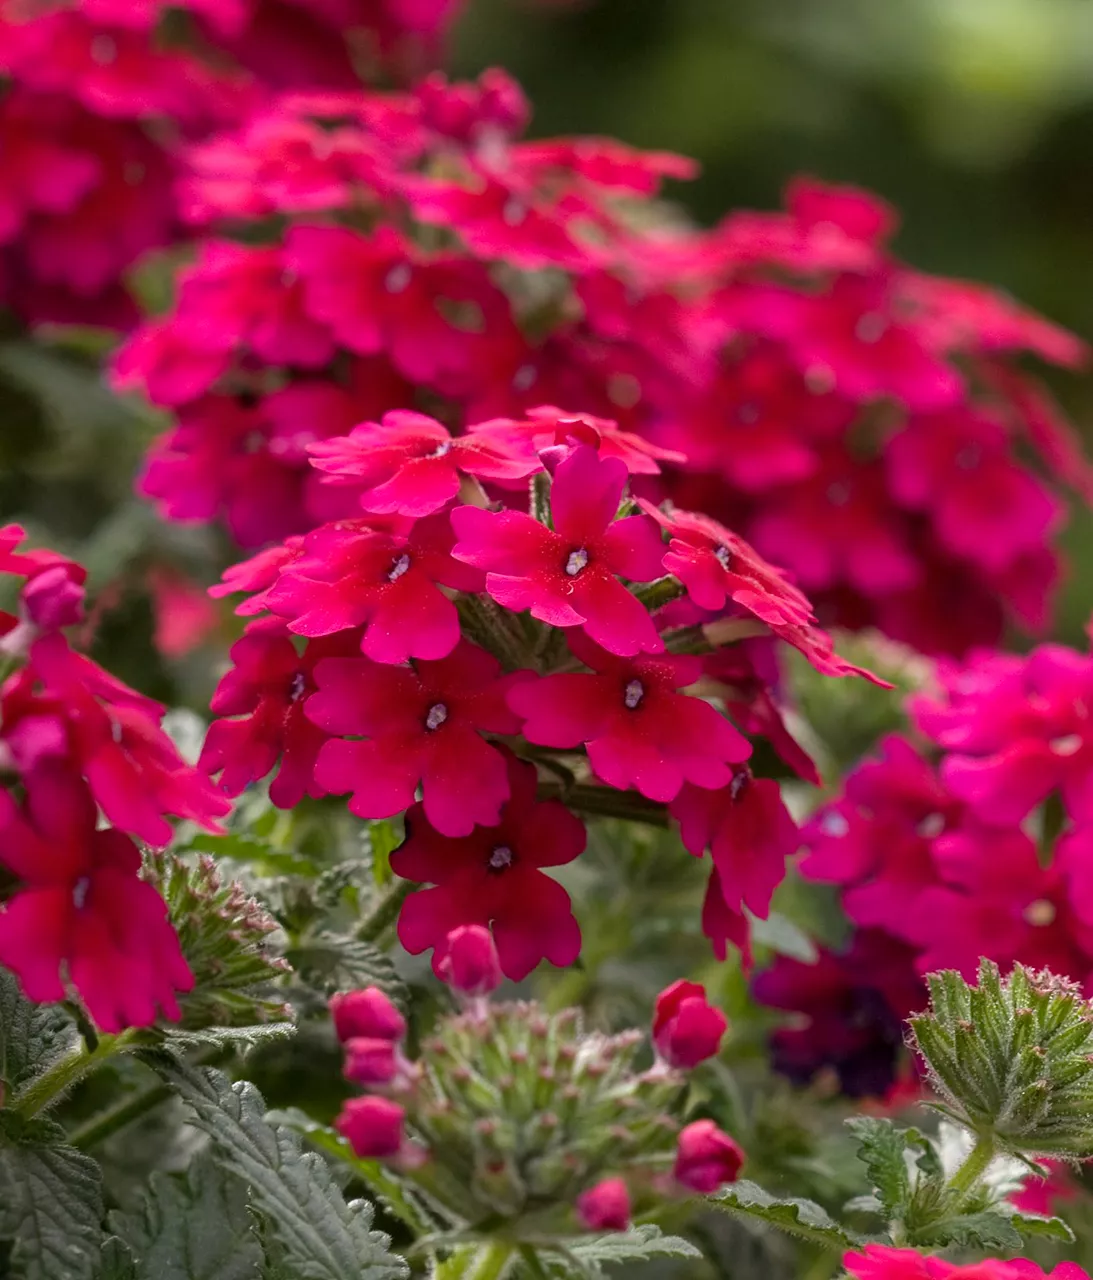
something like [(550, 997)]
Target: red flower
[(372, 1126), (422, 726), (493, 877), (355, 573), (706, 1158), (687, 1029), (606, 1206), (638, 730), (409, 464), (366, 1014), (566, 575), (266, 689), (470, 964), (84, 910)]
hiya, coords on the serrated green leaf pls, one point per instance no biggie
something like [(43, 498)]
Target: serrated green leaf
[(988, 1230), (117, 1262), (31, 1035), (802, 1218), (192, 1227), (242, 1038), (397, 1196), (321, 1235), (595, 1254), (332, 962), (50, 1202), (1034, 1224), (883, 1149)]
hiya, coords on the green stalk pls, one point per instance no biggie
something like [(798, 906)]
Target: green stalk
[(966, 1178), (69, 1071), (492, 1261), (384, 913)]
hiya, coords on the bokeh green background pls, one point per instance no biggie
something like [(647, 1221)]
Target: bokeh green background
[(974, 117)]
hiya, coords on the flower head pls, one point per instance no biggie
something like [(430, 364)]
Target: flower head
[(706, 1158), (687, 1029), (366, 1014), (606, 1206)]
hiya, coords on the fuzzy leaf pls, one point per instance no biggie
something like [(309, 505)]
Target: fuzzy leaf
[(337, 962), (31, 1035), (50, 1202), (192, 1227), (320, 1236), (883, 1149), (802, 1218), (241, 1038), (117, 1262), (1033, 1224), (620, 1248), (988, 1230)]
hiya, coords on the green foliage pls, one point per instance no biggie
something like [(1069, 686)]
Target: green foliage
[(332, 962), (802, 1218), (596, 1256), (50, 1202), (32, 1036), (1012, 1058), (192, 1226), (314, 1230)]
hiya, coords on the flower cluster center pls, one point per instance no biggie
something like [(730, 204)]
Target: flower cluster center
[(577, 561)]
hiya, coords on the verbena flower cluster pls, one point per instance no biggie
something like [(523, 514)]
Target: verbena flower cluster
[(863, 424), (100, 99), (971, 839), (89, 773), (520, 667)]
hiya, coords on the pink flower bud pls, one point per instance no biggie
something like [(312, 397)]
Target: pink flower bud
[(706, 1158), (687, 1029), (606, 1206), (53, 598), (373, 1127), (371, 1061), (367, 1015), (470, 963)]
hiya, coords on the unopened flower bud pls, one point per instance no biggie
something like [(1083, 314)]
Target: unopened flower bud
[(470, 964), (606, 1206), (706, 1158), (687, 1029), (54, 597), (369, 1060), (372, 1126), (367, 1015)]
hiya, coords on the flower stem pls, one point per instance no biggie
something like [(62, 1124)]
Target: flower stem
[(965, 1179), (384, 912), (69, 1071), (491, 1262)]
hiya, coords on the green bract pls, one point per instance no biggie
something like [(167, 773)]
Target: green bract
[(1012, 1058)]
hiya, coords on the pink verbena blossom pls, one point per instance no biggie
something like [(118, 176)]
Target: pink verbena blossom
[(419, 726), (494, 877), (567, 576), (687, 1029)]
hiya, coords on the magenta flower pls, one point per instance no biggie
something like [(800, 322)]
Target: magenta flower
[(719, 568), (706, 1158), (53, 594), (366, 1014), (605, 1207), (749, 832), (470, 964), (638, 730), (64, 709), (266, 691), (566, 575), (371, 1061), (494, 877), (410, 465), (355, 573), (687, 1029), (881, 1262), (372, 1126), (420, 726), (723, 924), (83, 911)]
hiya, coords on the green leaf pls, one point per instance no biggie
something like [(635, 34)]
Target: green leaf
[(32, 1036), (397, 1196), (241, 1038), (783, 937), (254, 852), (802, 1218), (117, 1262), (989, 1230), (50, 1202), (192, 1227), (620, 1248), (1033, 1224), (319, 1234), (883, 1149), (333, 962)]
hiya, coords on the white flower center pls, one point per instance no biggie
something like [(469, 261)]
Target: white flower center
[(633, 694), (501, 858), (1040, 913), (296, 686), (870, 327), (398, 278), (79, 892), (436, 716), (930, 826), (723, 557), (577, 561), (400, 566)]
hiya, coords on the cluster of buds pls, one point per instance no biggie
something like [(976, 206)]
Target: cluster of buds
[(510, 1110), (1012, 1058)]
